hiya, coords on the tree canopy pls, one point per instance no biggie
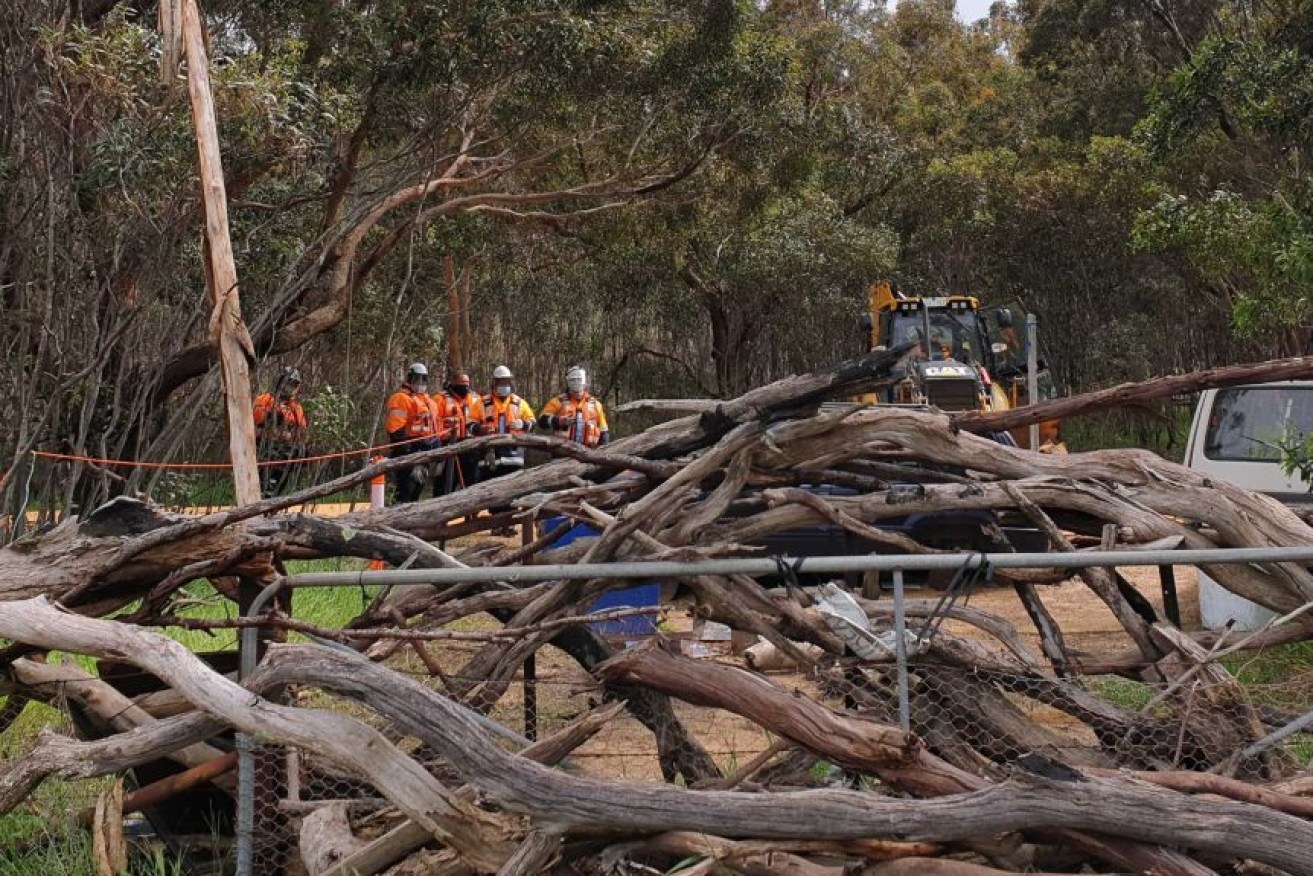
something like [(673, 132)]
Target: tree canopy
[(690, 198)]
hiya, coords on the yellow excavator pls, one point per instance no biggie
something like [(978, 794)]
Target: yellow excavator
[(975, 359)]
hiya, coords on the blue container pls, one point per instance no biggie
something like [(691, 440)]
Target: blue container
[(642, 595)]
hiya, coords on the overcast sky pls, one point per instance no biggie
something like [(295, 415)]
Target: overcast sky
[(972, 10)]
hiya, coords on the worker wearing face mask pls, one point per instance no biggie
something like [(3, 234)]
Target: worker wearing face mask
[(575, 414), (461, 413), (412, 426), (505, 413)]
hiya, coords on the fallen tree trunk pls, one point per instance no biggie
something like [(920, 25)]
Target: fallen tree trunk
[(571, 804), (345, 741), (1128, 394)]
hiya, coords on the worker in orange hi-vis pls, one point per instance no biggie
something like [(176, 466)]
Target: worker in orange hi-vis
[(281, 429), (412, 425), (505, 413), (461, 412), (575, 414)]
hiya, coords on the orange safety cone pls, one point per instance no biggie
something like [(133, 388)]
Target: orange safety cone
[(377, 486)]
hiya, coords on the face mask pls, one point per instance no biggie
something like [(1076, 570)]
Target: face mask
[(460, 390), (575, 386), (503, 390), (419, 384)]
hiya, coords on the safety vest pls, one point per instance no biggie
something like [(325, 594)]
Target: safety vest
[(585, 417), (457, 414), (281, 421), (501, 415), (415, 413)]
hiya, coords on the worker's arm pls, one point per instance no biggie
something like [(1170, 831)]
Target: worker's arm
[(547, 419), (526, 415), (398, 416), (260, 410)]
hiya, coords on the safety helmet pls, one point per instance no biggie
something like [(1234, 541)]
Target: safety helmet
[(576, 379), (417, 376), (288, 381), (501, 381)]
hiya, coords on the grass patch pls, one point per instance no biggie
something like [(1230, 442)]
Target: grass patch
[(1122, 692), (1277, 665)]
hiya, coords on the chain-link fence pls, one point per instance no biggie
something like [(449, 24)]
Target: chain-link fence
[(984, 716), (988, 723)]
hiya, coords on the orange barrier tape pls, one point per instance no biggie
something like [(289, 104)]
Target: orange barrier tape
[(132, 463)]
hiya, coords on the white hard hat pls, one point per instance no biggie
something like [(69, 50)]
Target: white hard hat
[(418, 368), (576, 378), (501, 372)]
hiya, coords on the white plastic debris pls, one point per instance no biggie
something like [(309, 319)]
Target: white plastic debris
[(847, 620)]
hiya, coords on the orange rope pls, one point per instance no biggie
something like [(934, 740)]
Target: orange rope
[(132, 463)]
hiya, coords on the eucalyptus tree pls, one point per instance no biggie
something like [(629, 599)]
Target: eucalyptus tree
[(349, 130)]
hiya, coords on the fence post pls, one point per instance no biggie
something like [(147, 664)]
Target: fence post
[(245, 805), (1171, 606), (1032, 372), (377, 499), (530, 668), (900, 652)]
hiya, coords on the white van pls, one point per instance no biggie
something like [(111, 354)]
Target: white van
[(1235, 437)]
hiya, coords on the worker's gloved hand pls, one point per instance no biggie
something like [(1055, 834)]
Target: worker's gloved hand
[(547, 421), (419, 475), (474, 430), (518, 425), (604, 439)]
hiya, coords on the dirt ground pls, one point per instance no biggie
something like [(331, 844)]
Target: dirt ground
[(625, 749), (1086, 622)]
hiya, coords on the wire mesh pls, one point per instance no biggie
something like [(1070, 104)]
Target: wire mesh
[(990, 723)]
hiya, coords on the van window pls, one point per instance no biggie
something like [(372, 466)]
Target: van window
[(1248, 423)]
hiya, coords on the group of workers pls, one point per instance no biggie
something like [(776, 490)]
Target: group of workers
[(416, 420)]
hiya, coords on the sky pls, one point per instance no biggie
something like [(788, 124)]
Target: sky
[(972, 10)]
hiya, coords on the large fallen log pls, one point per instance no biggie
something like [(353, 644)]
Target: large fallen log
[(565, 804), (709, 486), (570, 804), (1130, 394), (345, 741)]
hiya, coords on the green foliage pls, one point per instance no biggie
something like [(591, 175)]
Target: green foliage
[(1261, 248), (689, 198), (1297, 457), (336, 418)]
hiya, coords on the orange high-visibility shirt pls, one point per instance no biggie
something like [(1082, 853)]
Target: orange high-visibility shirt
[(285, 419), (506, 416), (586, 417), (415, 413), (457, 413)]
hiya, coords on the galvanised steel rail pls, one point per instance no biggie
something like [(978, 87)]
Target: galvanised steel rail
[(812, 565)]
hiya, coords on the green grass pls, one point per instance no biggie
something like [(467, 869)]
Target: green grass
[(1122, 692), (1271, 666), (38, 838)]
